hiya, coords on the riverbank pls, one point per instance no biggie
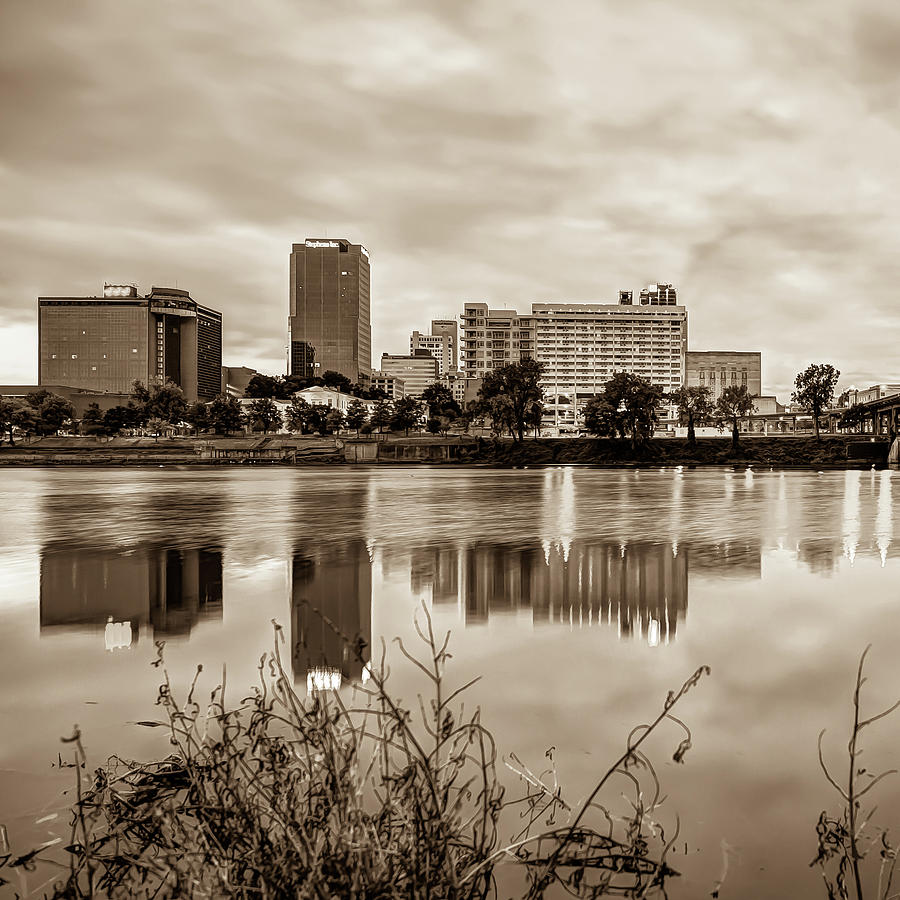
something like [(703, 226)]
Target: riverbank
[(832, 451)]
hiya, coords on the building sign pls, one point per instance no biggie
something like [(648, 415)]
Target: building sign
[(119, 290), (328, 244)]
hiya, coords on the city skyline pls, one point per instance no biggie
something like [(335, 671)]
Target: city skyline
[(473, 160)]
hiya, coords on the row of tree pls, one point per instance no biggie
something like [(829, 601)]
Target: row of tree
[(510, 399), (277, 387), (629, 405)]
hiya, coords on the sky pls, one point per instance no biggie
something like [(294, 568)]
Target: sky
[(510, 152)]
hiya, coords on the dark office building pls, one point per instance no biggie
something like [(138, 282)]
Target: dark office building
[(329, 326), (106, 343)]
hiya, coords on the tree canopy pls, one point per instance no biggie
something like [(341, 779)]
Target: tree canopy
[(519, 383), (733, 404), (263, 415), (695, 407), (815, 390), (407, 414), (628, 407)]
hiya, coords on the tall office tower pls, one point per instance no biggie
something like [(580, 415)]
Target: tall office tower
[(583, 344), (657, 295), (329, 326), (493, 338), (106, 343)]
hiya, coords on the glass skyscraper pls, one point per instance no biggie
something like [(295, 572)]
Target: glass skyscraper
[(329, 327)]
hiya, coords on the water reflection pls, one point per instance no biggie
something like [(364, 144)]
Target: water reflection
[(331, 614), (165, 588), (637, 588)]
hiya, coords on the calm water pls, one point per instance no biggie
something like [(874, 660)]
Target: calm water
[(582, 596)]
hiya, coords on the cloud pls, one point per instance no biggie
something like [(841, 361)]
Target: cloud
[(565, 151)]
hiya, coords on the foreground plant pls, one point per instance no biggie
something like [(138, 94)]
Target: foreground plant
[(350, 795), (845, 841)]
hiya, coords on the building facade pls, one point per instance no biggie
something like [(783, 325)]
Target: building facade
[(718, 369), (583, 344), (441, 346), (392, 385), (417, 370), (106, 343), (329, 324), (493, 338)]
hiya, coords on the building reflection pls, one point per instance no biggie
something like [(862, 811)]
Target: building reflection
[(640, 588), (331, 614), (169, 589)]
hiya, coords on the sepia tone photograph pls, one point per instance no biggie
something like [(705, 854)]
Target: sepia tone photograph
[(449, 449)]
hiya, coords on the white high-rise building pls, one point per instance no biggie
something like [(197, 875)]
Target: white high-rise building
[(583, 344)]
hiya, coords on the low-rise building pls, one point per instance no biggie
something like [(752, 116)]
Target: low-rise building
[(235, 380), (392, 385), (417, 370), (718, 369)]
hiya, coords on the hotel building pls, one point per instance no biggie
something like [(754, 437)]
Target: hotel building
[(582, 345), (106, 343), (493, 338)]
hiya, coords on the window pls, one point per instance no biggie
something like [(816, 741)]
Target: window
[(93, 368)]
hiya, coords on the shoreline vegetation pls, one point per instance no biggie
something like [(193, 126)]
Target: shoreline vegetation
[(832, 451), (355, 793)]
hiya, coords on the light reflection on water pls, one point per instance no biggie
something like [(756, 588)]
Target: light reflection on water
[(568, 589)]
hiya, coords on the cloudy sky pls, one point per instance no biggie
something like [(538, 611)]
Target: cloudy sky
[(746, 151)]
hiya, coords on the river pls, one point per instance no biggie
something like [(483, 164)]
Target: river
[(582, 596)]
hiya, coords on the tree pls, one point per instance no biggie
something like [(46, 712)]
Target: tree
[(815, 390), (334, 421), (297, 415), (197, 415), (357, 415), (440, 401), (118, 417), (263, 415), (628, 406), (534, 417), (853, 417), (467, 416), (382, 413), (51, 411), (695, 407), (433, 425), (270, 386), (160, 401), (407, 414), (520, 384), (92, 420), (733, 404), (333, 379), (9, 410), (225, 414)]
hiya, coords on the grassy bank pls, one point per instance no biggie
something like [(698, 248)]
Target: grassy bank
[(778, 452)]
